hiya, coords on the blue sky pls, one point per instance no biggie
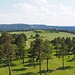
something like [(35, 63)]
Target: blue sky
[(50, 12)]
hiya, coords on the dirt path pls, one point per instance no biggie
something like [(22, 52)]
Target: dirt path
[(27, 44)]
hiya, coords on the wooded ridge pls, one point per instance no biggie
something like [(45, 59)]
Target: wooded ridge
[(14, 27)]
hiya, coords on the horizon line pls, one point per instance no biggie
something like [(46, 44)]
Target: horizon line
[(38, 24)]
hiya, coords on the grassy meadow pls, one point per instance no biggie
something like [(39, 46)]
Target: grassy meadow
[(17, 68), (47, 35)]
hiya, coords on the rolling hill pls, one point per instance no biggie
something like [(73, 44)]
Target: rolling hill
[(14, 27)]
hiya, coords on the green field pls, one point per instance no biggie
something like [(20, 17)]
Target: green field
[(47, 35), (17, 68)]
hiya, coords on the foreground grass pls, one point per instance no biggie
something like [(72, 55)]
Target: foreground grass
[(17, 68)]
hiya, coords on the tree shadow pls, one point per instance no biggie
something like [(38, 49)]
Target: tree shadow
[(21, 69), (5, 61), (50, 71), (27, 62), (66, 67), (4, 65), (73, 59), (31, 64), (45, 71), (29, 73), (12, 64)]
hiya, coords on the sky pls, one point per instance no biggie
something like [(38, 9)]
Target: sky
[(49, 12)]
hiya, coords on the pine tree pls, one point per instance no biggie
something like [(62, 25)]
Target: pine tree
[(47, 51), (6, 42), (63, 52)]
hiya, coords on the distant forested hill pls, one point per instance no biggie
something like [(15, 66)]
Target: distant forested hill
[(13, 27)]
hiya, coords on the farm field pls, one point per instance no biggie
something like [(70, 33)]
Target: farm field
[(17, 68)]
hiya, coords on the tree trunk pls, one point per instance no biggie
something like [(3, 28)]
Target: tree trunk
[(47, 64), (33, 62), (63, 62), (9, 62), (40, 66), (39, 60), (9, 67), (56, 52), (23, 58)]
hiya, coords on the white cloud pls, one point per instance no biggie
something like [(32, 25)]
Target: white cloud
[(34, 14), (35, 11), (41, 1), (13, 16), (66, 14), (27, 7), (65, 11), (61, 10), (45, 10), (3, 15), (64, 8), (10, 18), (40, 12)]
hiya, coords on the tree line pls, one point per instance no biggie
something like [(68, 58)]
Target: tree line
[(64, 47)]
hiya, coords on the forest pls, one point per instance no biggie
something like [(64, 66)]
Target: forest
[(36, 51)]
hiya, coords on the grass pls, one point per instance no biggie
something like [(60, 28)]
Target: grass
[(47, 35), (17, 68)]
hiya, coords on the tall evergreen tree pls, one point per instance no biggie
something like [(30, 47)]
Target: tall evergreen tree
[(69, 45), (38, 44), (21, 43), (73, 46), (6, 42), (32, 52), (21, 47), (47, 49), (63, 52)]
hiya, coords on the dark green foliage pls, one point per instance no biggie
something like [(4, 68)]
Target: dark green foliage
[(63, 52), (20, 37), (32, 51), (36, 52), (1, 53), (31, 37), (47, 51), (6, 42), (21, 43), (8, 48), (37, 35)]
